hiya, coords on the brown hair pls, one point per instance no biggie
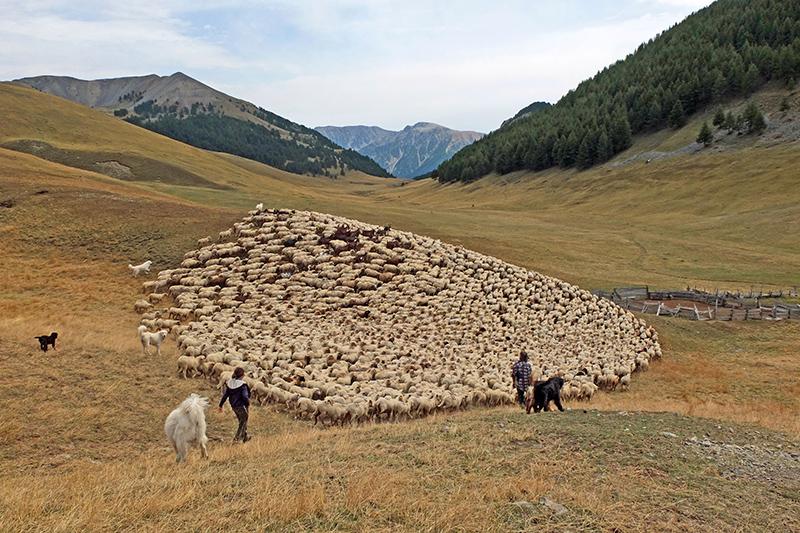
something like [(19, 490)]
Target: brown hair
[(238, 373)]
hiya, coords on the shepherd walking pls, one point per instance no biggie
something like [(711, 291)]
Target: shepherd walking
[(521, 375), (238, 393)]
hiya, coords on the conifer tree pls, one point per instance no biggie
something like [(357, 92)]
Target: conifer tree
[(620, 132), (705, 136), (604, 151), (751, 80), (584, 157), (719, 118), (754, 119), (677, 117), (730, 121)]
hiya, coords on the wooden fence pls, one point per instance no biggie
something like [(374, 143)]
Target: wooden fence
[(719, 305)]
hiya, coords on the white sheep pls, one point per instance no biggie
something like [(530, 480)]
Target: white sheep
[(190, 364), (142, 305), (370, 323)]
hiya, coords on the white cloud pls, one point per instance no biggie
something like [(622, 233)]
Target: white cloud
[(466, 64), (475, 89)]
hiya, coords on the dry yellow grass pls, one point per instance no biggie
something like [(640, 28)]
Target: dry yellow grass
[(81, 443)]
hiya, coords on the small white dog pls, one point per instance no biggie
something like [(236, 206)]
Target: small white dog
[(259, 207), (138, 269), (148, 338), (186, 426)]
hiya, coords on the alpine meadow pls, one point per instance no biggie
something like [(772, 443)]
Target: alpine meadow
[(216, 318)]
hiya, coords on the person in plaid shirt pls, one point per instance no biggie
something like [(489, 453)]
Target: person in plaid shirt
[(521, 374)]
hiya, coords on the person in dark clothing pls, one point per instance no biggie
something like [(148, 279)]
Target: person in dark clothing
[(238, 393), (521, 375)]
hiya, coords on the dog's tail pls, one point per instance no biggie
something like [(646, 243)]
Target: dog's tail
[(141, 330)]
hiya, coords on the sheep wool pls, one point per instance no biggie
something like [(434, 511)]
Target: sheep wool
[(342, 321)]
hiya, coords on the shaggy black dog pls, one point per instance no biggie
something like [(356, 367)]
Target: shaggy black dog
[(543, 393), (47, 340)]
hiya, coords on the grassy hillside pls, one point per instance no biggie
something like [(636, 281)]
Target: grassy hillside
[(82, 446), (185, 109)]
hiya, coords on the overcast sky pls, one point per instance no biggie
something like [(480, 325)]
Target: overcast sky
[(466, 64)]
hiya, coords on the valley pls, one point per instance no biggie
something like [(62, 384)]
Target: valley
[(377, 318), (595, 229)]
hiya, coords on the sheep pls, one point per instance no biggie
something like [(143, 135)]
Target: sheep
[(185, 426), (178, 313), (223, 378), (587, 390), (138, 269), (260, 392), (383, 323), (328, 411), (156, 297), (141, 306), (306, 408), (189, 364)]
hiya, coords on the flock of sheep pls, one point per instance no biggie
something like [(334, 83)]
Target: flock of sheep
[(342, 321)]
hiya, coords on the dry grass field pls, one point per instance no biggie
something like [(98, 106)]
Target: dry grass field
[(81, 442)]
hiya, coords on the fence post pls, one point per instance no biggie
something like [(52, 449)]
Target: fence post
[(658, 311)]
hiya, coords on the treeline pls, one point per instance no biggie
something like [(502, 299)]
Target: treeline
[(728, 49), (316, 155), (311, 154)]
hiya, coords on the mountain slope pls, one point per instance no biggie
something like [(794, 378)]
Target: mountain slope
[(535, 107), (411, 152), (728, 49), (187, 110), (73, 135)]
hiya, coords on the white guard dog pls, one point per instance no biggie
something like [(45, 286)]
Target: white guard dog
[(148, 338), (186, 427), (138, 269)]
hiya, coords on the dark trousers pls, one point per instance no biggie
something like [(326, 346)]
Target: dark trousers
[(241, 415), (521, 396)]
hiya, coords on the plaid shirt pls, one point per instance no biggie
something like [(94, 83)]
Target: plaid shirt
[(522, 373)]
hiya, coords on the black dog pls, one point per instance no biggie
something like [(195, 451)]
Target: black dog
[(543, 393), (47, 340)]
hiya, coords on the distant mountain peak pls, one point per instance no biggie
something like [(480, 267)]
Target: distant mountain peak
[(413, 151)]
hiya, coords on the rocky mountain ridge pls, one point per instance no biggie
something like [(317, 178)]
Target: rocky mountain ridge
[(413, 151), (190, 111)]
